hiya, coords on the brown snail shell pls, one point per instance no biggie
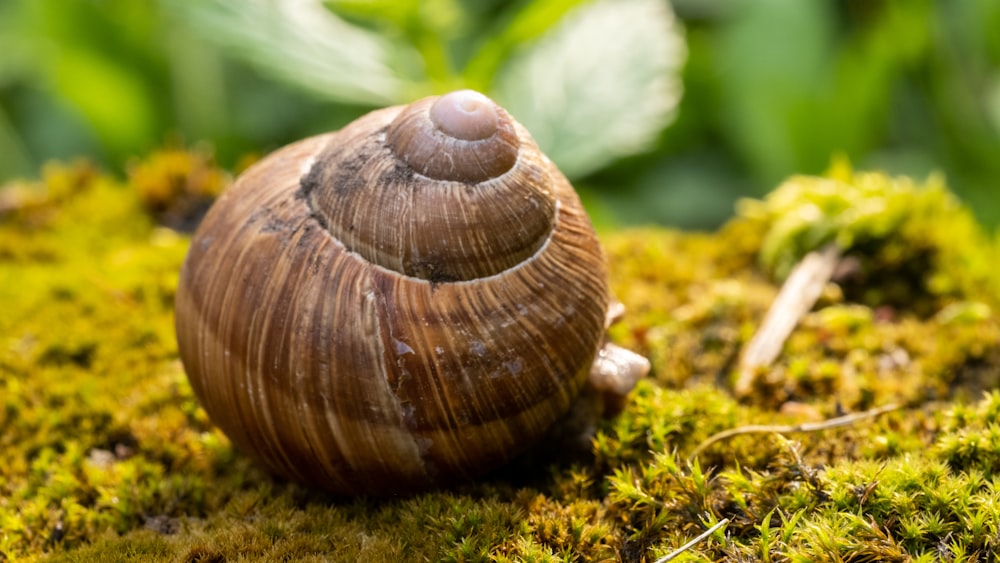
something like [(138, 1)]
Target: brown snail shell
[(411, 300)]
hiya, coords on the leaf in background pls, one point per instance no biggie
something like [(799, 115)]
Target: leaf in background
[(114, 101), (602, 84), (304, 44), (14, 157), (436, 15), (796, 85), (427, 25), (533, 20), (775, 56), (993, 101), (91, 96)]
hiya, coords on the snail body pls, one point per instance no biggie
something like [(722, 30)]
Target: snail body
[(408, 301)]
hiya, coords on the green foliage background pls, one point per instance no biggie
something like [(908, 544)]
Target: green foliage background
[(770, 87)]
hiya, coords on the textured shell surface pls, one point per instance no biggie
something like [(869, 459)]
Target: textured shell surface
[(393, 307)]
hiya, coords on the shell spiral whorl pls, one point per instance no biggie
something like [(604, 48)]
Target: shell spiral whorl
[(420, 202), (462, 136), (412, 299), (466, 115)]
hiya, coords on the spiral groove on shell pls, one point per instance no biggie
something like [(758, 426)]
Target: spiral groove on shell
[(462, 137), (360, 325)]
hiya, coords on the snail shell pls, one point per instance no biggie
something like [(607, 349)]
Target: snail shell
[(411, 300)]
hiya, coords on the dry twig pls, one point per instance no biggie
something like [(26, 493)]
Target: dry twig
[(837, 422), (673, 554), (797, 296)]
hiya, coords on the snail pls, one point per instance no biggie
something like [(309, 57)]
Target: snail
[(409, 301)]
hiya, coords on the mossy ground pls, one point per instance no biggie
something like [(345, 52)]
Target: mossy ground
[(105, 454)]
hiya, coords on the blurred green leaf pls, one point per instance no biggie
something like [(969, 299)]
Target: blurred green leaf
[(773, 57), (427, 25), (993, 101), (441, 16), (112, 99), (84, 75), (14, 158), (526, 26), (601, 84), (305, 44), (795, 90), (19, 49), (197, 76)]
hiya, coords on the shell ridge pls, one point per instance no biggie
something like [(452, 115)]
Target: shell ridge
[(433, 283), (337, 466), (281, 327), (390, 353)]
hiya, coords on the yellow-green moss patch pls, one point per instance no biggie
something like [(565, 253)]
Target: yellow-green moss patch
[(106, 456)]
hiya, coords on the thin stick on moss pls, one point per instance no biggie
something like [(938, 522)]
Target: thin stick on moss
[(701, 537), (797, 296), (836, 422)]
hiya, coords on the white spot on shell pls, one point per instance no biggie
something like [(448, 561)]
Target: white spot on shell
[(439, 350), (514, 366), (402, 348), (307, 165), (478, 348), (406, 409)]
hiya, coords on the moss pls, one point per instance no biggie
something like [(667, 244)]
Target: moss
[(912, 245), (177, 186), (105, 454)]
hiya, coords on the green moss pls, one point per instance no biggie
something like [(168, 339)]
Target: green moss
[(913, 244), (105, 454)]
